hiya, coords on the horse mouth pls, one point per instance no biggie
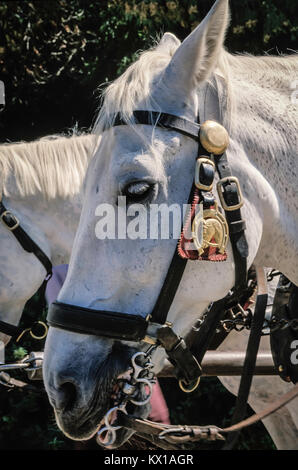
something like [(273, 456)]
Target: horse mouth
[(119, 434), (86, 426), (109, 434)]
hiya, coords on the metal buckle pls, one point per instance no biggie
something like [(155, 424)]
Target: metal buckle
[(17, 222), (198, 184), (220, 190)]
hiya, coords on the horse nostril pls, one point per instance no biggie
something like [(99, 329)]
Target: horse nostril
[(66, 397)]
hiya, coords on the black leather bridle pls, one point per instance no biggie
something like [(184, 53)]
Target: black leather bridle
[(124, 326), (12, 223)]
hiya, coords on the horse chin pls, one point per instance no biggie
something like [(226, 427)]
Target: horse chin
[(123, 434), (89, 429), (74, 431), (81, 424)]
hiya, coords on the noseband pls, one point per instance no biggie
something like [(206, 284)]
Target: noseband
[(212, 142)]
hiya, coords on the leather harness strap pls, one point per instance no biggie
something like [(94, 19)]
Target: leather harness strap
[(175, 434), (13, 225), (87, 321), (177, 265), (111, 324), (250, 356), (236, 223), (165, 120)]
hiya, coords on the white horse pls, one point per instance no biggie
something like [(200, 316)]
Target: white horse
[(251, 97), (41, 184)]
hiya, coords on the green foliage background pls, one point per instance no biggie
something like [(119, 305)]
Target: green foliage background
[(53, 57), (55, 53)]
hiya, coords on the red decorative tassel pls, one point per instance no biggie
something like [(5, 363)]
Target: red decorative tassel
[(210, 253)]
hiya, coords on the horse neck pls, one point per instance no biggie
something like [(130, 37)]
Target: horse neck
[(262, 117), (255, 100), (52, 222)]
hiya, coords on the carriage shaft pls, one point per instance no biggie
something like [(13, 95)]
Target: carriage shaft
[(218, 363)]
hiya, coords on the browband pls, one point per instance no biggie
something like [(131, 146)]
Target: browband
[(165, 120)]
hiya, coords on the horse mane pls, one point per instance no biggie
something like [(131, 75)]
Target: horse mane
[(134, 85), (54, 165)]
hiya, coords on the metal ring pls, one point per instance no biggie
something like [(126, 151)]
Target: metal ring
[(189, 390), (106, 418), (147, 399), (111, 432), (44, 334), (134, 357)]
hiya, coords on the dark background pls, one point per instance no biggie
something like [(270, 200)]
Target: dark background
[(54, 55)]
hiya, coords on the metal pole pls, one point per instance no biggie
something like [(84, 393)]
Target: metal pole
[(218, 363)]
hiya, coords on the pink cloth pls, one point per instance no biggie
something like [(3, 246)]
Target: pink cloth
[(159, 409)]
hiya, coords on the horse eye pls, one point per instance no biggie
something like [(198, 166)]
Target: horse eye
[(138, 191)]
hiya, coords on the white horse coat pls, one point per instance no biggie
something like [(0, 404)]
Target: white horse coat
[(41, 184), (251, 97)]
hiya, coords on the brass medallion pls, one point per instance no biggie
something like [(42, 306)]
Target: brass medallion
[(210, 224), (214, 137)]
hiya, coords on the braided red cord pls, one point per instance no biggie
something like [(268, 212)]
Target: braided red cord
[(210, 254)]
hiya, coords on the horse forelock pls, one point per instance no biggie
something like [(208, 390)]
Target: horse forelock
[(133, 87)]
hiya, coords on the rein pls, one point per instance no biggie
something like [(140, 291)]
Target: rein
[(172, 437)]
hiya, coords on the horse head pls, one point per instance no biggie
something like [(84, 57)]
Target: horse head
[(120, 277)]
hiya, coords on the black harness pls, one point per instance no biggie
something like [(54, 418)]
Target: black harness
[(124, 326), (13, 225)]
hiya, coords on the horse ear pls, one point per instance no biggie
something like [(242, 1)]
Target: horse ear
[(169, 43), (196, 58)]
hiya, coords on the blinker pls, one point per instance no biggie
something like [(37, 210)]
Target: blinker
[(214, 137)]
